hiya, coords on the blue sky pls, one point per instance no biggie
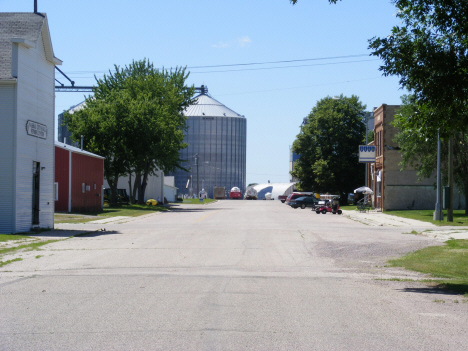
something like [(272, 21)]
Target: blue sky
[(90, 36)]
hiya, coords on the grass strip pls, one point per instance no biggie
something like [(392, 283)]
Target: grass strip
[(25, 247), (10, 237), (448, 262), (134, 210), (197, 201), (459, 217), (4, 263)]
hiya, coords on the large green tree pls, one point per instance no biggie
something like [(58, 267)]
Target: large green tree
[(328, 145), (419, 149), (135, 121), (429, 52)]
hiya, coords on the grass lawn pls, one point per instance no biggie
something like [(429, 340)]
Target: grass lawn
[(107, 212), (197, 202), (348, 207), (9, 237), (459, 217), (448, 262)]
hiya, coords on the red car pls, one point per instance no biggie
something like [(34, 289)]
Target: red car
[(235, 193)]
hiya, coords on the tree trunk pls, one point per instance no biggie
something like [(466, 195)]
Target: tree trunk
[(143, 184), (137, 186), (113, 181), (132, 200)]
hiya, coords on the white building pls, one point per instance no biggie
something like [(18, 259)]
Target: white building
[(154, 188), (27, 99)]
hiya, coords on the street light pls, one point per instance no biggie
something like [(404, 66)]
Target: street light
[(366, 116)]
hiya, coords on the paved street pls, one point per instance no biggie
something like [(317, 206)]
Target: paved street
[(232, 275)]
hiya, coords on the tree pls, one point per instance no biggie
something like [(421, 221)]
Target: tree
[(135, 121), (418, 146), (430, 55), (328, 145)]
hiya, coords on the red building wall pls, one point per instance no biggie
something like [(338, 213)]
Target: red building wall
[(87, 180), (62, 177)]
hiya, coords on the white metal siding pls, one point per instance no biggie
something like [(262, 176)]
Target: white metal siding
[(7, 159), (154, 188), (36, 95)]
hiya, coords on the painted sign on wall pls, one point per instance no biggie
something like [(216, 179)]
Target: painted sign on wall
[(366, 153), (36, 129)]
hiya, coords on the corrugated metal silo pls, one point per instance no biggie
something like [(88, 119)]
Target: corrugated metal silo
[(216, 138)]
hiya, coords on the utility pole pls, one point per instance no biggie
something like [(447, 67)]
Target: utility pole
[(196, 164), (438, 215), (450, 174)]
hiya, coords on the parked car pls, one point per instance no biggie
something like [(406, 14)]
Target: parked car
[(303, 202), (282, 198), (294, 196)]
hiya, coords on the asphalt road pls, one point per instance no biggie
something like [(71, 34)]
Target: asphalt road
[(233, 275)]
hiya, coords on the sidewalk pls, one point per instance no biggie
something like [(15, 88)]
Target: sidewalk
[(373, 218)]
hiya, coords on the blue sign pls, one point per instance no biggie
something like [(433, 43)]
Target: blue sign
[(367, 153)]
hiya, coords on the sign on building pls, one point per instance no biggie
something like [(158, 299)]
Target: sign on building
[(36, 129), (366, 153)]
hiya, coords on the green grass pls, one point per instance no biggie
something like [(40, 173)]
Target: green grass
[(448, 264), (9, 237), (25, 247), (459, 216), (197, 201), (4, 263), (348, 207), (19, 243), (108, 212)]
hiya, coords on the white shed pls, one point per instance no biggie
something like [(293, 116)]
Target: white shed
[(27, 99)]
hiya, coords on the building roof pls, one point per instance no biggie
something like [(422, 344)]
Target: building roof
[(206, 106), (25, 28), (276, 189), (76, 150)]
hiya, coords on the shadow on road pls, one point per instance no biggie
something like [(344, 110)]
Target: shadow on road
[(198, 209), (94, 234), (441, 289)]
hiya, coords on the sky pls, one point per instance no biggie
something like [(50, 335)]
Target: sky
[(265, 59)]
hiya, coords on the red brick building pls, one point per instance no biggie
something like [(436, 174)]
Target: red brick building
[(79, 176), (395, 189)]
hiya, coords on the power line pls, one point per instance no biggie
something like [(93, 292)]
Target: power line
[(242, 64), (286, 61), (281, 67), (302, 87), (276, 67)]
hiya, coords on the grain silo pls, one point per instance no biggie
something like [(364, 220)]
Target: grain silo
[(216, 151)]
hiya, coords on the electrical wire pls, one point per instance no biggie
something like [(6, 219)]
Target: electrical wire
[(280, 67), (249, 64)]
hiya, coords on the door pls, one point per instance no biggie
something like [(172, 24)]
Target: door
[(35, 197)]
